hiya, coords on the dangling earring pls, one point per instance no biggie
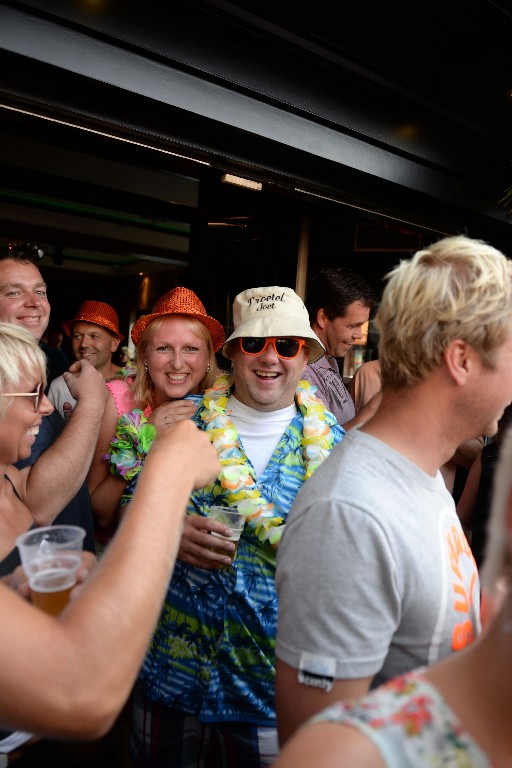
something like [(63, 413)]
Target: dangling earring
[(207, 367), (146, 367)]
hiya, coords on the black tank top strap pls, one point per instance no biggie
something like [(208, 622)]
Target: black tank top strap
[(13, 486)]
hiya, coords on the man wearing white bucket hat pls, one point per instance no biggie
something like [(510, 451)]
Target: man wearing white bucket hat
[(210, 666)]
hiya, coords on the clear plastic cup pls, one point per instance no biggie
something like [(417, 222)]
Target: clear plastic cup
[(50, 557), (231, 517)]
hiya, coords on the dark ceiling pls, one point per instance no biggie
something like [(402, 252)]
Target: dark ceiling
[(430, 81), (454, 54)]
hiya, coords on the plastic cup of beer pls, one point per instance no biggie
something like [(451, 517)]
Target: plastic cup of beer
[(50, 557), (231, 517)]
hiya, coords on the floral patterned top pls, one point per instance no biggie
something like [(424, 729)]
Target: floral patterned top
[(410, 724)]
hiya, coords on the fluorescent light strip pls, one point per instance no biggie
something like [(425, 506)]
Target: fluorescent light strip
[(229, 178), (103, 133)]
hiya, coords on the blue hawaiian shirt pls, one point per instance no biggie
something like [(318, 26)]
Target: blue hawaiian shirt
[(212, 653)]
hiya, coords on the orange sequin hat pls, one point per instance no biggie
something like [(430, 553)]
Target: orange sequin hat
[(180, 301), (98, 313)]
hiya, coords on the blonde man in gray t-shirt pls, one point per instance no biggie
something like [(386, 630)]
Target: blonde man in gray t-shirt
[(374, 574)]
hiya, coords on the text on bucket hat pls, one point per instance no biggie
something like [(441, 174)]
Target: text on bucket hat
[(273, 311), (98, 313), (180, 301)]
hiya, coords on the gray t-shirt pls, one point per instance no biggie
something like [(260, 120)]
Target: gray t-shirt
[(374, 573)]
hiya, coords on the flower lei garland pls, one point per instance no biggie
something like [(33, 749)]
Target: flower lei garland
[(134, 436), (127, 451), (237, 477)]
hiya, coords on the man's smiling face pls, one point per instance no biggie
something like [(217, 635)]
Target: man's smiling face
[(23, 299), (94, 343), (266, 382)]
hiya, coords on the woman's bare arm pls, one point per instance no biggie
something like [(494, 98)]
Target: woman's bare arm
[(69, 676)]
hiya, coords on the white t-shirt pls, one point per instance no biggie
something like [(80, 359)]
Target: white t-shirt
[(58, 394), (259, 431)]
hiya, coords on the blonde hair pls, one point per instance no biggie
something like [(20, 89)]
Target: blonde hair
[(457, 288), (20, 356), (142, 387)]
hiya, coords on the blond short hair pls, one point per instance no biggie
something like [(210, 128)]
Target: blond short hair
[(20, 356), (457, 288)]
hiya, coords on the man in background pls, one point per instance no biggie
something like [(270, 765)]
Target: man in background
[(339, 302), (56, 360), (94, 333), (57, 467)]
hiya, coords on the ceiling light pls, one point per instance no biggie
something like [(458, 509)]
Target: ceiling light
[(229, 178), (225, 224)]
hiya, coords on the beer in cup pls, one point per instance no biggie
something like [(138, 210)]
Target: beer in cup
[(50, 557)]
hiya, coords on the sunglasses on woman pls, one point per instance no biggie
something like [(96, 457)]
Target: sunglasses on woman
[(37, 395), (286, 348)]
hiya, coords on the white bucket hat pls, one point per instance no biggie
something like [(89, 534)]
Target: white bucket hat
[(273, 311)]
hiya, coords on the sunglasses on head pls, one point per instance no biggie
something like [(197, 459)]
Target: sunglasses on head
[(36, 394), (286, 347)]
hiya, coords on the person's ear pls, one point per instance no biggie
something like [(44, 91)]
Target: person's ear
[(115, 344), (459, 360), (321, 319)]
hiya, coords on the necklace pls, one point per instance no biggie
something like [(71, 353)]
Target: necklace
[(237, 478), (128, 449), (134, 436)]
